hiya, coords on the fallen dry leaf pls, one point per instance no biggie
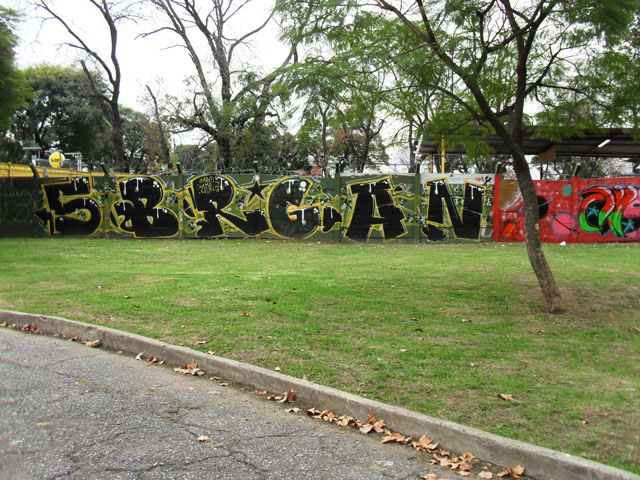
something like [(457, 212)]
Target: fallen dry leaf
[(204, 438), (139, 356), (464, 474), (94, 344), (505, 397), (224, 384), (429, 476), (396, 437), (474, 364), (425, 444), (445, 453), (152, 360), (275, 398), (404, 350), (211, 353), (485, 475), (514, 472), (371, 418), (313, 412), (365, 429), (190, 369), (161, 362), (294, 410), (246, 314), (305, 378), (3, 325), (466, 320), (75, 339), (467, 457), (345, 421), (635, 329), (328, 416), (289, 396), (379, 426), (260, 393), (29, 327), (277, 369), (201, 342), (464, 467)]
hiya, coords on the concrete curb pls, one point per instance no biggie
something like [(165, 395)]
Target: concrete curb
[(540, 463)]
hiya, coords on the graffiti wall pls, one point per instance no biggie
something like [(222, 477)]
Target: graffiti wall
[(412, 208), (584, 211), (402, 208)]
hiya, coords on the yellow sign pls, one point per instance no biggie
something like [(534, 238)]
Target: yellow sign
[(56, 159)]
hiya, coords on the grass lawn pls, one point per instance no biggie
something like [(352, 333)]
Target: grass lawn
[(440, 329)]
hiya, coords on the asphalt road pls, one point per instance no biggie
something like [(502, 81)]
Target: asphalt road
[(72, 412)]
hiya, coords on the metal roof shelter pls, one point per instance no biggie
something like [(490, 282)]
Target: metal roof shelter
[(611, 143)]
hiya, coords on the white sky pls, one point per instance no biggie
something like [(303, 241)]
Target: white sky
[(143, 60)]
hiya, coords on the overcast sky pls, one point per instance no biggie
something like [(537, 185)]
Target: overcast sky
[(143, 60)]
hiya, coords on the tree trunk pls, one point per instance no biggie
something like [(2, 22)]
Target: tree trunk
[(224, 145), (325, 146), (164, 146), (546, 280), (412, 152)]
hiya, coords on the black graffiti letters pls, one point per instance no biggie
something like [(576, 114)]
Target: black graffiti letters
[(71, 209), (211, 194), (370, 195), (139, 214), (466, 227), (289, 217), (360, 208), (330, 216)]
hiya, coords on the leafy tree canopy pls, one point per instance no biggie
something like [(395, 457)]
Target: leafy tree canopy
[(13, 87)]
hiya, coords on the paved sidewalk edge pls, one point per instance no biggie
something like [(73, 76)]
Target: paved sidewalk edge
[(540, 463)]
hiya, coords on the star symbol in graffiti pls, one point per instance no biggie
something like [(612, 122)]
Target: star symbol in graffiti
[(628, 225), (256, 190), (592, 211)]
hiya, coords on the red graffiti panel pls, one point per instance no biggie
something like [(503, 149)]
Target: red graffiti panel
[(585, 211), (608, 210)]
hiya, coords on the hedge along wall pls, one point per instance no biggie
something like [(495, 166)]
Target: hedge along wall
[(411, 208), (576, 211)]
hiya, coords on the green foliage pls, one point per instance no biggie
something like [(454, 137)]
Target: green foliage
[(581, 69), (13, 87), (60, 113)]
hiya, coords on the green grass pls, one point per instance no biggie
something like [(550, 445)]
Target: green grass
[(344, 315)]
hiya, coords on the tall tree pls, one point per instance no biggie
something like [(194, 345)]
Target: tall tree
[(244, 99), (60, 114), (161, 130), (506, 55), (112, 12), (13, 88), (319, 83)]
